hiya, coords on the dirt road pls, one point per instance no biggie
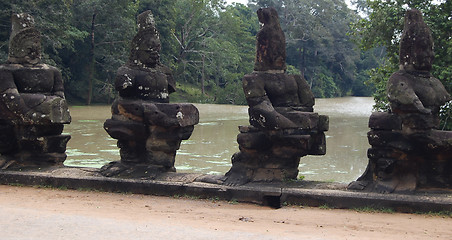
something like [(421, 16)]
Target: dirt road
[(36, 213)]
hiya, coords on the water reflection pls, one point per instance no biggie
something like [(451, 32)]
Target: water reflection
[(213, 141)]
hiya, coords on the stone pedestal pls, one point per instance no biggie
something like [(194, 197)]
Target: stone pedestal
[(406, 157), (32, 146), (274, 155), (151, 144)]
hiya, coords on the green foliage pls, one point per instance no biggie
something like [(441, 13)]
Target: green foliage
[(187, 92), (292, 70), (323, 84), (231, 94), (208, 45), (110, 26), (443, 214), (216, 47), (369, 60), (379, 77), (325, 207), (53, 19)]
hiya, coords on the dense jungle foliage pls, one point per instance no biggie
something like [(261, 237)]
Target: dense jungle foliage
[(210, 45)]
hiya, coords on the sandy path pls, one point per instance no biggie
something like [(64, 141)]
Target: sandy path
[(33, 213)]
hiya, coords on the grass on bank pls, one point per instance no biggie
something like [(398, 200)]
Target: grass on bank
[(190, 93)]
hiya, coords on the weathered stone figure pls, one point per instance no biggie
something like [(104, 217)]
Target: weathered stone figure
[(149, 129), (283, 124), (32, 104), (407, 151), (270, 53)]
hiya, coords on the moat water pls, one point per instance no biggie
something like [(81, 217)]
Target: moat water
[(213, 141)]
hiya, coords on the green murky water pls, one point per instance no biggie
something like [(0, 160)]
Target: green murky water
[(213, 141)]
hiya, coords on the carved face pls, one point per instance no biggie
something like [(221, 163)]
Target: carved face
[(147, 51), (25, 47), (261, 16), (146, 44), (32, 51), (25, 40)]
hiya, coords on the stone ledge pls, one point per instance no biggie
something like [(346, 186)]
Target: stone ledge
[(304, 193)]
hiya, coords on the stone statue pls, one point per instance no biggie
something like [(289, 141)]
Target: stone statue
[(32, 106), (149, 129), (408, 152), (271, 42), (283, 124), (412, 89)]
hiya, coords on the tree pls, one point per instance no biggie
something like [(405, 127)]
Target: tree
[(53, 19), (215, 47), (109, 26), (234, 52), (208, 45), (74, 31), (318, 44), (196, 25)]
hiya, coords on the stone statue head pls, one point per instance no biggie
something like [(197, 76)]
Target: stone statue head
[(268, 16), (145, 51), (25, 40), (416, 45), (270, 42)]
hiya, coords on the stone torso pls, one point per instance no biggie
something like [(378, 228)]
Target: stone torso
[(282, 91), (406, 89), (38, 78), (140, 84)]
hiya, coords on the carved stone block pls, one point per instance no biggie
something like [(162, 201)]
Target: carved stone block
[(385, 121)]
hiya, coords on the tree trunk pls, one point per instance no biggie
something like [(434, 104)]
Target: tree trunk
[(303, 63), (91, 62), (203, 75)]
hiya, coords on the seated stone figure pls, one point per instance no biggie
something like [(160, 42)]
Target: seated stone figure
[(274, 98), (32, 104), (149, 129), (408, 152), (283, 124), (413, 90)]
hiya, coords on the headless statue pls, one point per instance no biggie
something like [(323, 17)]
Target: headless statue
[(283, 124), (408, 152)]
